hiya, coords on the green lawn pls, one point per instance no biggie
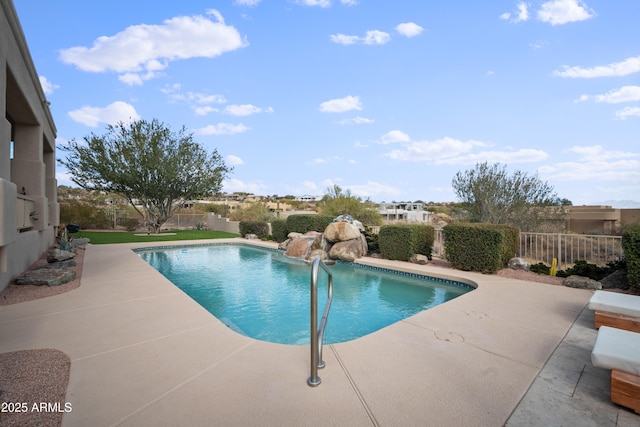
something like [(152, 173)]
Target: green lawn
[(105, 237)]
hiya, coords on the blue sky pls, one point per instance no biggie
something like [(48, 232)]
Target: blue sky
[(386, 99)]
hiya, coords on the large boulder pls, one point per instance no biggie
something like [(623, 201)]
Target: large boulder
[(299, 247), (348, 250), (341, 231), (46, 276), (580, 282)]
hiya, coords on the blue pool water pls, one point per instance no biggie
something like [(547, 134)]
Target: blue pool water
[(265, 295)]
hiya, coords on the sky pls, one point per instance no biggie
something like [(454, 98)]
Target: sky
[(386, 99)]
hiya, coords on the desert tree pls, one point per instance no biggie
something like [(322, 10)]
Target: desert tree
[(337, 201), (153, 167), (491, 195)]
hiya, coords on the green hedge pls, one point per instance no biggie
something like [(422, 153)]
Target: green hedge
[(631, 249), (479, 247), (259, 228), (304, 223), (279, 230), (400, 242)]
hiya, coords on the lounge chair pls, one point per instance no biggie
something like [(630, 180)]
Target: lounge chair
[(619, 350), (617, 310)]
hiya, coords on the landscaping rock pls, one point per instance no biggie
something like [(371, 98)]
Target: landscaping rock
[(80, 241), (299, 247), (55, 255), (46, 276), (349, 250), (61, 264), (341, 231), (582, 283), (419, 259), (616, 280), (519, 264)]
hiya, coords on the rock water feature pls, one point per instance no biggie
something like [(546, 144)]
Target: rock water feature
[(341, 240)]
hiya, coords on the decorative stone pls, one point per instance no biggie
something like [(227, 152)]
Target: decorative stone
[(46, 276), (299, 248), (582, 283), (341, 231), (519, 264), (250, 236), (294, 235), (318, 253), (61, 264), (55, 255), (616, 280), (283, 245), (80, 241), (348, 250), (419, 259)]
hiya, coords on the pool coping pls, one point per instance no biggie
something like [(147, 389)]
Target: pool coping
[(143, 353)]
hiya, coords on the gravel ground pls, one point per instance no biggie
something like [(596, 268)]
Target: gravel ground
[(33, 383)]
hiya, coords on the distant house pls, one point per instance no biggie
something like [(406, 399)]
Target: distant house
[(404, 212), (29, 211), (600, 219)]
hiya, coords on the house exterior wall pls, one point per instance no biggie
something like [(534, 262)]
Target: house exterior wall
[(29, 211)]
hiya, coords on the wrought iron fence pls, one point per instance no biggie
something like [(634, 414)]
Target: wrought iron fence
[(565, 248)]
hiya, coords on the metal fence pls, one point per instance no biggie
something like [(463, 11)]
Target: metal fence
[(569, 248), (565, 248)]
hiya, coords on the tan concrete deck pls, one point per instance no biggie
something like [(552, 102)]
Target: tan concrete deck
[(145, 354)]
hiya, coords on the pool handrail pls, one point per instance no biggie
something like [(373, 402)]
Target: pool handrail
[(317, 333)]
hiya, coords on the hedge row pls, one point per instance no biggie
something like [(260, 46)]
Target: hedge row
[(259, 228), (631, 249), (305, 223), (480, 247), (401, 242)]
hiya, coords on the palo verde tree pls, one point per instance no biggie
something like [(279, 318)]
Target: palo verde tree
[(491, 195), (337, 201), (154, 168)]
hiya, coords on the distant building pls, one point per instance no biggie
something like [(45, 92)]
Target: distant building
[(29, 210), (404, 212), (600, 219)]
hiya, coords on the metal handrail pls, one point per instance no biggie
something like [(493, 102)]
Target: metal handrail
[(317, 333)]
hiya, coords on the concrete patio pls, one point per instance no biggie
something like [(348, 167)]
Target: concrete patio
[(144, 354)]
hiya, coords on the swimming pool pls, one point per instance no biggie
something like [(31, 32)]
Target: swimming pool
[(263, 294)]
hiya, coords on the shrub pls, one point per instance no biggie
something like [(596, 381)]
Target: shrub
[(631, 248), (304, 223), (372, 241), (400, 242), (259, 228), (279, 230), (475, 247)]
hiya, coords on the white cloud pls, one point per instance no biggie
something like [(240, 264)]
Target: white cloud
[(245, 110), (246, 2), (373, 189), (356, 121), (341, 105), (617, 69), (234, 160), (627, 112), (349, 2), (140, 52), (594, 162), (47, 86), (454, 152), (111, 114), (203, 111), (409, 29), (522, 13), (320, 3), (556, 12), (371, 37), (222, 129), (624, 94), (235, 185), (394, 136)]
